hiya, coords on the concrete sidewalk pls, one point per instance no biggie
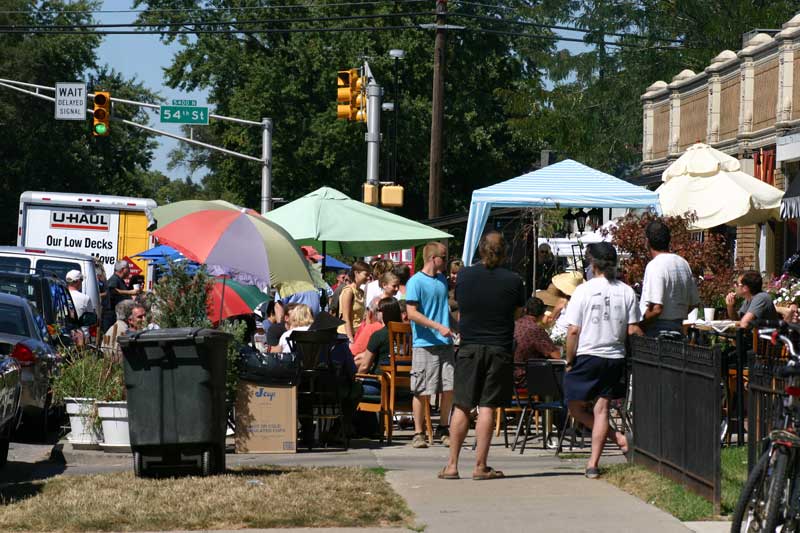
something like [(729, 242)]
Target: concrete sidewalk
[(540, 492)]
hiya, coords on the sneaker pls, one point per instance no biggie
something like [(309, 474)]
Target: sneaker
[(419, 441), (443, 434)]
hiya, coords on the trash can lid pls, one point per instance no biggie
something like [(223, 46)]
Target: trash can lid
[(172, 335)]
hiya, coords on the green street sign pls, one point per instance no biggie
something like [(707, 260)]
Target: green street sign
[(174, 114), (185, 102)]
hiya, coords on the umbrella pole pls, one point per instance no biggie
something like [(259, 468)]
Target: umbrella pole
[(324, 255), (221, 302)]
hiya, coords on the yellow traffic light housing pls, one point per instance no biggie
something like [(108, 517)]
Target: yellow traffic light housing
[(370, 194), (392, 196), (343, 97), (351, 103), (101, 116)]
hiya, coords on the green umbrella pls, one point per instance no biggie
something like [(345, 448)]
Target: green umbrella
[(338, 224), (286, 261)]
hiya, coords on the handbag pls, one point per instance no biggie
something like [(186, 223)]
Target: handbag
[(268, 368)]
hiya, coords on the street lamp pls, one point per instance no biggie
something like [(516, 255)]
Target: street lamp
[(580, 218), (396, 54), (569, 218)]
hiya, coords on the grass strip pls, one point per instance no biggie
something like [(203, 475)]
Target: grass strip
[(674, 498), (255, 497)]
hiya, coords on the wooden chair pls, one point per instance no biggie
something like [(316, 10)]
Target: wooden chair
[(398, 373), (379, 404)]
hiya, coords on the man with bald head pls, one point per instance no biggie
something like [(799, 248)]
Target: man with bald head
[(490, 298)]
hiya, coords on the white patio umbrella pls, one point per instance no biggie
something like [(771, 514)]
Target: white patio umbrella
[(712, 185)]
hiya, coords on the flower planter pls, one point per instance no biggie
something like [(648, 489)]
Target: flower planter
[(114, 419), (83, 434)]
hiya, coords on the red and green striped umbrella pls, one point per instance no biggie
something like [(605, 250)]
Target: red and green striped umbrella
[(230, 298)]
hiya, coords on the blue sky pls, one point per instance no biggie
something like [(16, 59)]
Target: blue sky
[(145, 57)]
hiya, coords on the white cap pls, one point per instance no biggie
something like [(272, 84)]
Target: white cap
[(74, 275)]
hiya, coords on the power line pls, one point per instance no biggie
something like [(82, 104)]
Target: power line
[(217, 23), (570, 39), (201, 31), (557, 27), (213, 9)]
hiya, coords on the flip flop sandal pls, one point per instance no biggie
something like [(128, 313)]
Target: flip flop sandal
[(442, 475), (490, 473), (592, 473)]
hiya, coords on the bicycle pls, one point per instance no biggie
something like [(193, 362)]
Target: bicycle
[(770, 498)]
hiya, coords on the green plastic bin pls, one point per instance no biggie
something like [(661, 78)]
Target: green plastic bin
[(175, 379)]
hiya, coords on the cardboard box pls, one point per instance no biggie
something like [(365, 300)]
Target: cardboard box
[(266, 419)]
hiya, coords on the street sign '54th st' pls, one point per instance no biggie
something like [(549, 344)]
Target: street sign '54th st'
[(174, 114)]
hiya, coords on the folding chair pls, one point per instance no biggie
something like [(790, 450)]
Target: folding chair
[(319, 400), (545, 380), (398, 372)]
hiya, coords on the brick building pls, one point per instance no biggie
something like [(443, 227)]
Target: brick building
[(746, 104)]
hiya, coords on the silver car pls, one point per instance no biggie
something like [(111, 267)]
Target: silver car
[(21, 340)]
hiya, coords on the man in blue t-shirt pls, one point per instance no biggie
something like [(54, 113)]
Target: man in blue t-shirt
[(432, 360)]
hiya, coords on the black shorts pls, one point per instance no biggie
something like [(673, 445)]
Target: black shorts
[(484, 376), (594, 377)]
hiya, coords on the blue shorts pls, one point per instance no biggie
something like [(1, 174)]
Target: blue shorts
[(594, 377)]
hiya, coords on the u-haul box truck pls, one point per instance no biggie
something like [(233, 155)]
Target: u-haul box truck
[(106, 227)]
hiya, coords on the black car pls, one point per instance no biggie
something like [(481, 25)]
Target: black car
[(21, 339), (55, 312)]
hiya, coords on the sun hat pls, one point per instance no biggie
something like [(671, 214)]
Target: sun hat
[(567, 282), (550, 297), (311, 253), (73, 275)]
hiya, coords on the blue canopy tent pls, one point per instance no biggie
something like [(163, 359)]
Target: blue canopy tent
[(564, 184), (331, 263)]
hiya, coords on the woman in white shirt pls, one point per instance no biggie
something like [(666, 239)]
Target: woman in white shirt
[(299, 319)]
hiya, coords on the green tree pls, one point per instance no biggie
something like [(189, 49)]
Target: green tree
[(291, 77), (40, 153)]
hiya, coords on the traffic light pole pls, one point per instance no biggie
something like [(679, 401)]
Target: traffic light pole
[(266, 165), (373, 131), (265, 124)]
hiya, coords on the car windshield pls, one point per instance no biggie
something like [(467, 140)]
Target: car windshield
[(12, 320)]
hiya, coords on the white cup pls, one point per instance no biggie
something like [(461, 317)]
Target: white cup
[(708, 313), (136, 286)]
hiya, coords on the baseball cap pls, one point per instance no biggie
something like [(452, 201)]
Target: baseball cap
[(603, 251), (74, 275), (119, 265)]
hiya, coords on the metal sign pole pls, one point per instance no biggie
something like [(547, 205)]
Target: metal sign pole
[(266, 165)]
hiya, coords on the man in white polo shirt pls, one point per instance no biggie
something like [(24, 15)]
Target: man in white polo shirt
[(83, 302)]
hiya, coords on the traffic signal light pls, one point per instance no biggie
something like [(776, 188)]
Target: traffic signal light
[(102, 113), (351, 101)]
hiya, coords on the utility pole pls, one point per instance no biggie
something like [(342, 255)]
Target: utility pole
[(266, 165), (437, 114)]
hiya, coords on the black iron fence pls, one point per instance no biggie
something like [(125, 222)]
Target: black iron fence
[(765, 392), (677, 394)]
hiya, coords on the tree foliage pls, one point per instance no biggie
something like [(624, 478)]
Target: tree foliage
[(710, 258), (291, 78)]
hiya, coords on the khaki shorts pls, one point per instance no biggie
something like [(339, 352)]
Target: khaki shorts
[(432, 369)]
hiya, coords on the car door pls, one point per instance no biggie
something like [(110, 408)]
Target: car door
[(9, 390)]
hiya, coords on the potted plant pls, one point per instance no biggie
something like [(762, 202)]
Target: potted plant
[(77, 384), (112, 409)]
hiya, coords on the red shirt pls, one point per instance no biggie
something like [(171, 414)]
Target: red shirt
[(363, 334), (531, 341)]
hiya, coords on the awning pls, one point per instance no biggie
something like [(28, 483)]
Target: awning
[(790, 204)]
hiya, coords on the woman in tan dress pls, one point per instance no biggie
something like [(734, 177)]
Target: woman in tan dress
[(351, 301)]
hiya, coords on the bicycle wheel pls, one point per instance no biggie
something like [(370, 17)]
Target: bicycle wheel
[(749, 513), (776, 499)]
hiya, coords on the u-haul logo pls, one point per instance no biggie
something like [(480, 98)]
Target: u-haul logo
[(79, 220)]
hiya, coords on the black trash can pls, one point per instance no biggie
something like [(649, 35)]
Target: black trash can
[(175, 379)]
